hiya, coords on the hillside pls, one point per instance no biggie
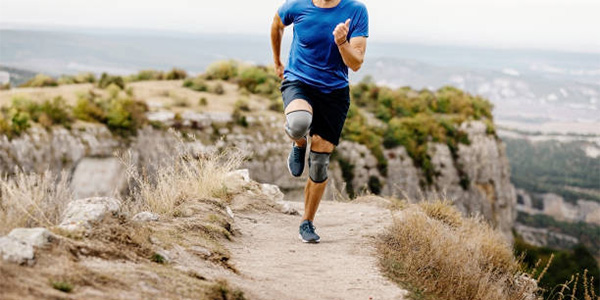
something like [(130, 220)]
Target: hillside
[(399, 143)]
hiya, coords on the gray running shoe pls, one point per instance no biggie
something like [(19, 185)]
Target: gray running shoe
[(296, 160), (307, 232)]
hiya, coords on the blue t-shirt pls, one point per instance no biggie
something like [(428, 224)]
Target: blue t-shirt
[(314, 57)]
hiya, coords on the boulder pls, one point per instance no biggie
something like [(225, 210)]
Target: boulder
[(145, 216), (82, 213), (272, 191), (235, 181), (15, 251), (38, 237)]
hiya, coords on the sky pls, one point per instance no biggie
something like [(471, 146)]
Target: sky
[(565, 25)]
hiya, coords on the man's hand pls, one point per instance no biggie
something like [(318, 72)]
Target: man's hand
[(341, 32), (279, 67)]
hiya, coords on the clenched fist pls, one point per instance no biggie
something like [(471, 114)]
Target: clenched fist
[(341, 32), (279, 68)]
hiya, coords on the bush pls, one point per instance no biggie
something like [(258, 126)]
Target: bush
[(242, 105), (259, 80), (40, 80), (197, 84), (222, 70), (5, 86), (125, 116), (180, 174), (218, 89), (106, 80), (176, 74), (33, 200), (438, 254), (89, 109), (145, 75), (80, 78), (203, 101)]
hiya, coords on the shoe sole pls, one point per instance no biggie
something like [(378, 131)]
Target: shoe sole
[(309, 242), (290, 170)]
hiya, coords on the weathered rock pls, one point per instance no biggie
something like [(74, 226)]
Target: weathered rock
[(98, 177), (40, 149), (15, 251), (81, 214), (145, 216), (37, 237), (235, 181), (543, 237), (271, 191), (229, 212), (287, 208)]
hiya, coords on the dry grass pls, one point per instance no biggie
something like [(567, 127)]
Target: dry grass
[(568, 290), (31, 200), (181, 174), (438, 254)]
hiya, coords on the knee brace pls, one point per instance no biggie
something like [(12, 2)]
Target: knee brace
[(317, 166), (298, 124)]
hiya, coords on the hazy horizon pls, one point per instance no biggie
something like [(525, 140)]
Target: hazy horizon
[(555, 25)]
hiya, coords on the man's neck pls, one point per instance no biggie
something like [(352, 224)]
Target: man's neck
[(326, 3)]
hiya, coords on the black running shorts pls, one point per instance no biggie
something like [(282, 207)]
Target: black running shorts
[(329, 110)]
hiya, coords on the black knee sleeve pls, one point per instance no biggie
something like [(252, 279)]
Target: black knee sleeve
[(298, 124), (317, 166)]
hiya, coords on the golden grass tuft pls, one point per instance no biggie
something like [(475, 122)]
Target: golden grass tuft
[(31, 199), (431, 249), (182, 174)]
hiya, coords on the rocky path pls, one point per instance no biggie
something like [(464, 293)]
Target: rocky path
[(275, 264)]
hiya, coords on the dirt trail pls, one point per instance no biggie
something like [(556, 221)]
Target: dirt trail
[(275, 264)]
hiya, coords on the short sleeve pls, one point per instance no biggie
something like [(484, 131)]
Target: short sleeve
[(286, 12), (360, 26)]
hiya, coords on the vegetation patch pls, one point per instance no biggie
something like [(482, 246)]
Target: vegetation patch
[(40, 80), (413, 119), (440, 255), (565, 263)]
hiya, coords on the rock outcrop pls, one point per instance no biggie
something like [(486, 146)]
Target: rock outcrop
[(82, 213), (487, 190), (483, 164)]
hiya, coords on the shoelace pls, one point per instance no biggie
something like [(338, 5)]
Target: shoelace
[(308, 227)]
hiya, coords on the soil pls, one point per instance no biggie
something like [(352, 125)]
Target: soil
[(275, 264)]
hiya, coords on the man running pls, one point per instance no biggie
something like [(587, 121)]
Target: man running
[(330, 36)]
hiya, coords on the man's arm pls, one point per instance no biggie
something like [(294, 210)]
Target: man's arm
[(353, 51), (276, 35)]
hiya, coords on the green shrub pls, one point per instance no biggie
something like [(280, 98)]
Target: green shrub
[(79, 78), (62, 286), (54, 112), (157, 258), (223, 70), (197, 84), (242, 105), (106, 80), (218, 89), (259, 80), (145, 75), (5, 86), (125, 116), (40, 80), (89, 109), (176, 74), (203, 101)]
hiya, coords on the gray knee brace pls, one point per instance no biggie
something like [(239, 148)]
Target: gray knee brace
[(298, 123), (317, 166)]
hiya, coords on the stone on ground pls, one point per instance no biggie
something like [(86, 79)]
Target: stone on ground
[(81, 214)]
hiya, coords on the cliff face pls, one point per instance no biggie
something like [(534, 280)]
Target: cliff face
[(476, 179)]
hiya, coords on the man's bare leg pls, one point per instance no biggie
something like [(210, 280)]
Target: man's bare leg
[(313, 192)]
